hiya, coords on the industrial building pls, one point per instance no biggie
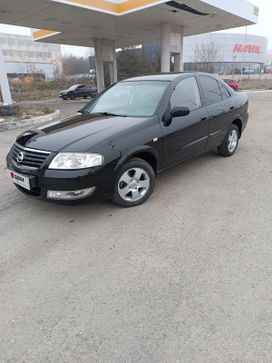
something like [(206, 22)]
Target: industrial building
[(23, 56)]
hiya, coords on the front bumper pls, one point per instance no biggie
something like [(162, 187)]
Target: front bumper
[(42, 181)]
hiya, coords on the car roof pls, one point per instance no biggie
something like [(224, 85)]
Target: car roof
[(168, 77)]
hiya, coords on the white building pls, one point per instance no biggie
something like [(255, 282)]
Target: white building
[(23, 56)]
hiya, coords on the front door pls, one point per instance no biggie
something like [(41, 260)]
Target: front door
[(187, 135), (81, 91)]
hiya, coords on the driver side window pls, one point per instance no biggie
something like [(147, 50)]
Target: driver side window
[(186, 94)]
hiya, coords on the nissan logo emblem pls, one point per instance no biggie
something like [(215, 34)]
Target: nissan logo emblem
[(20, 157)]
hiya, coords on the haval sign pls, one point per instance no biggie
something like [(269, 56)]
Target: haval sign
[(231, 48), (247, 48)]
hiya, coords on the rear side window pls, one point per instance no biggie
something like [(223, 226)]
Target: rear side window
[(186, 94), (211, 89), (224, 92)]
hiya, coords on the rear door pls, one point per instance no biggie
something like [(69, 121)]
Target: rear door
[(221, 107), (186, 135)]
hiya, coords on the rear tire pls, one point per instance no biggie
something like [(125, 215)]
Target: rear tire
[(230, 143), (134, 183)]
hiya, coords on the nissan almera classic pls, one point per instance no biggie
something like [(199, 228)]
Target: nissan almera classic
[(125, 136)]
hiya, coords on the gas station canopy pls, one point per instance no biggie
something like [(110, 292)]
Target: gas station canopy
[(127, 22)]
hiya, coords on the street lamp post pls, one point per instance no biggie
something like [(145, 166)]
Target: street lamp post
[(233, 62)]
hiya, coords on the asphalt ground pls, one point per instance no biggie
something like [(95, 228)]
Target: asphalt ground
[(186, 277)]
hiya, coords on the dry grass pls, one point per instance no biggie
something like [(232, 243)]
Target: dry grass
[(33, 95), (29, 89), (27, 111)]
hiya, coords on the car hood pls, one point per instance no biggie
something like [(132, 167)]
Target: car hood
[(80, 133)]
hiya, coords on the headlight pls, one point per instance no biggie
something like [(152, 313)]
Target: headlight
[(75, 161)]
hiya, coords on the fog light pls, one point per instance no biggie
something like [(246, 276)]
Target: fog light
[(70, 194)]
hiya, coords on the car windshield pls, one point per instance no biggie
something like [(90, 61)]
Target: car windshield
[(135, 99)]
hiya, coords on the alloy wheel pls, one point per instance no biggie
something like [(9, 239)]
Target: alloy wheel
[(232, 140), (133, 184)]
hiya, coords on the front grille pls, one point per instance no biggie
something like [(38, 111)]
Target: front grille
[(31, 158)]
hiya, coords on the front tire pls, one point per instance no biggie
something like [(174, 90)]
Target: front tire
[(230, 142), (134, 183)]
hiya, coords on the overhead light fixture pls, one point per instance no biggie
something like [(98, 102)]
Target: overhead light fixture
[(184, 7)]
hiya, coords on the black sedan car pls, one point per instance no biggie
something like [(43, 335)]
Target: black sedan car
[(78, 90), (128, 134)]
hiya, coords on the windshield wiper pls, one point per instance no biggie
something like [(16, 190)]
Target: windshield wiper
[(108, 114)]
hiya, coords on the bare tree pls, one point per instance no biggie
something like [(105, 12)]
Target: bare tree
[(35, 72), (72, 65), (207, 53), (57, 65)]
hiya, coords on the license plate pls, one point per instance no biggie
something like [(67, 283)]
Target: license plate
[(18, 178)]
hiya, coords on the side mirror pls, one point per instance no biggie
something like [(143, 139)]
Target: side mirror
[(179, 111)]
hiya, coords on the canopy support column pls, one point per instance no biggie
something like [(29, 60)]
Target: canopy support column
[(113, 66), (99, 65), (165, 47), (181, 63), (178, 57), (4, 84)]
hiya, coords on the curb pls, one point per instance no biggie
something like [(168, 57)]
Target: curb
[(257, 91), (6, 126), (9, 110)]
